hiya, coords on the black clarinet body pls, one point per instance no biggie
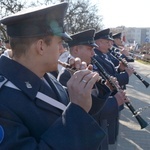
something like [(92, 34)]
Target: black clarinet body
[(126, 64), (135, 113)]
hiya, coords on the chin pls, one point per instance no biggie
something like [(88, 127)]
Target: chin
[(53, 68)]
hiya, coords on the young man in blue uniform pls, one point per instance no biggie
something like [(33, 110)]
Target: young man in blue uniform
[(82, 45), (118, 47), (35, 111), (102, 39)]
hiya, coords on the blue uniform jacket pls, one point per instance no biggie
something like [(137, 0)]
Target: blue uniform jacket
[(100, 111), (29, 123), (104, 102), (114, 60), (122, 77)]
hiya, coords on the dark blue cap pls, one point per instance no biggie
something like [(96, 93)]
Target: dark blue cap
[(37, 22), (103, 34), (117, 35), (110, 34), (83, 38)]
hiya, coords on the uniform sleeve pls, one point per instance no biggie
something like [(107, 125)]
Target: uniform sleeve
[(128, 58), (122, 78), (99, 101), (74, 130), (78, 131), (63, 77), (110, 109)]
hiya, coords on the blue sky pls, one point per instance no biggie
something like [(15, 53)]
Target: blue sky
[(130, 13)]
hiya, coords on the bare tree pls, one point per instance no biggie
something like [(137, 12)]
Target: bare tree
[(11, 6), (81, 14)]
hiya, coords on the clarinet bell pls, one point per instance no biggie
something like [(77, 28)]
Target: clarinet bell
[(146, 84), (142, 122)]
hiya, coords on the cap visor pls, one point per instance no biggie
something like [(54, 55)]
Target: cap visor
[(65, 36), (111, 39), (94, 45)]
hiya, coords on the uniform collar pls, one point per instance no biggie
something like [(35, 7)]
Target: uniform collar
[(98, 52), (115, 45), (20, 76)]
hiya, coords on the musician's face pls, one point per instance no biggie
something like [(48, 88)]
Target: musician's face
[(118, 42), (52, 52), (85, 53), (104, 45), (111, 42)]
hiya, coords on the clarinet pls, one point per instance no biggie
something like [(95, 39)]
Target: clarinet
[(135, 113), (72, 70), (125, 63)]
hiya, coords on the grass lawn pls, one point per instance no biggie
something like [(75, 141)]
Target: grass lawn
[(143, 62)]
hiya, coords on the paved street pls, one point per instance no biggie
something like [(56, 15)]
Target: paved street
[(131, 136)]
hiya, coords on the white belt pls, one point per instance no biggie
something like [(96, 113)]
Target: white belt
[(42, 97)]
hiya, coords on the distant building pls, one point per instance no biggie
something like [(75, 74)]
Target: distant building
[(134, 35)]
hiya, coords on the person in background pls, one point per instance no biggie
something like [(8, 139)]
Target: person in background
[(64, 52), (82, 46), (115, 61), (119, 48), (35, 110), (103, 40), (2, 48), (63, 55), (8, 51)]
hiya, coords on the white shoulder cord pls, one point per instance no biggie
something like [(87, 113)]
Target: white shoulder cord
[(42, 97)]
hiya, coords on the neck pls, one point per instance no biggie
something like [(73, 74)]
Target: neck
[(31, 64)]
